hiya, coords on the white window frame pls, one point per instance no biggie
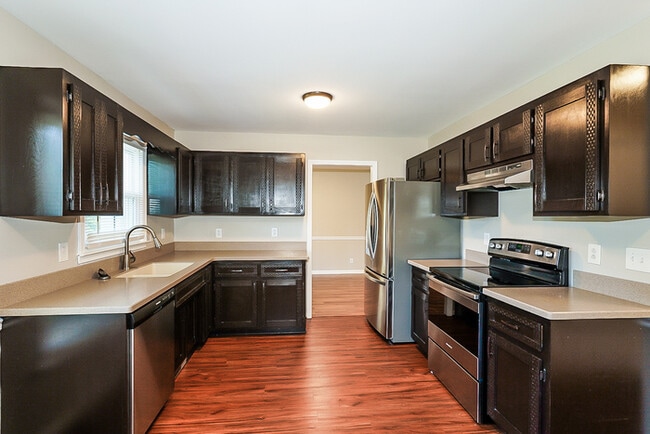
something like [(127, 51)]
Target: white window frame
[(108, 244)]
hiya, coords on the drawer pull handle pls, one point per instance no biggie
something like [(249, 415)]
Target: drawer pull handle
[(449, 346), (237, 271), (510, 325), (281, 270)]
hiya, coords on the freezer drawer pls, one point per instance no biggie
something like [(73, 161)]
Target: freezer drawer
[(378, 303)]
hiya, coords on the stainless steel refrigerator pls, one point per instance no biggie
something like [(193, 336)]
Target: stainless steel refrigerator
[(402, 222)]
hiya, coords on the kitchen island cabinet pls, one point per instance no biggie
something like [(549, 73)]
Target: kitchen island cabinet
[(253, 297), (582, 373), (61, 146)]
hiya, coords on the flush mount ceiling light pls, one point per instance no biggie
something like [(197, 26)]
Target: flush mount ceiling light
[(317, 99)]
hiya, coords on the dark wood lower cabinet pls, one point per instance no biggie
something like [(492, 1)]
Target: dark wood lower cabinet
[(64, 374), (566, 376), (252, 297), (193, 310), (420, 308)]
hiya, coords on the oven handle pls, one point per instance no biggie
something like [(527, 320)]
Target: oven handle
[(468, 299)]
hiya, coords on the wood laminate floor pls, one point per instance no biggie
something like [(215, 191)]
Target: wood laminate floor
[(340, 376)]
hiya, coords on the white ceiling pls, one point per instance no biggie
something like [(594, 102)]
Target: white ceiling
[(396, 68)]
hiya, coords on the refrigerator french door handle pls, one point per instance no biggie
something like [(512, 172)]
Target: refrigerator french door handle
[(372, 224), (370, 276)]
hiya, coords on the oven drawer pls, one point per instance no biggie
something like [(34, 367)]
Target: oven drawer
[(526, 330), (459, 383), (463, 356)]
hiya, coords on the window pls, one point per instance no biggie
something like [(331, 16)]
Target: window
[(102, 236)]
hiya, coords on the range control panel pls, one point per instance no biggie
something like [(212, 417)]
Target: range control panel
[(533, 251)]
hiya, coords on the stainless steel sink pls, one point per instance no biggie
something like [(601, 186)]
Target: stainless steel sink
[(156, 269)]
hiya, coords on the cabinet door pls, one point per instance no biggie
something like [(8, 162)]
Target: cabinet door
[(184, 181), (212, 183), (235, 305), (282, 297), (567, 169), (431, 165), (249, 184), (413, 168), (453, 202), (281, 305), (161, 182), (185, 332), (514, 396), (512, 135), (286, 184), (420, 309), (95, 152), (478, 148)]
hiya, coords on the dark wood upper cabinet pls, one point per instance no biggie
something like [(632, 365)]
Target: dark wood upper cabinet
[(161, 181), (425, 166), (592, 145), (61, 146), (462, 203), (507, 138), (286, 184), (184, 181), (212, 183), (452, 201), (248, 183), (249, 187)]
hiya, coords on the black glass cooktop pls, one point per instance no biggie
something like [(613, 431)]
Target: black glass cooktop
[(476, 278)]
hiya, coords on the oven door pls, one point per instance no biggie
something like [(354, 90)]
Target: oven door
[(455, 317)]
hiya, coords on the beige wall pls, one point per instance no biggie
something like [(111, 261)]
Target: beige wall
[(338, 219)]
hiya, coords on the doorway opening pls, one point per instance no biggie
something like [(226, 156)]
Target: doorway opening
[(335, 222)]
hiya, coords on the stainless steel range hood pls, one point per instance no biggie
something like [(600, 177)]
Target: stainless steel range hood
[(507, 177)]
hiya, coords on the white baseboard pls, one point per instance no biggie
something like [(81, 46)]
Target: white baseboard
[(337, 272)]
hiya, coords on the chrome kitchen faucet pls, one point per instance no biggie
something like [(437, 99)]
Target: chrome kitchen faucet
[(127, 253)]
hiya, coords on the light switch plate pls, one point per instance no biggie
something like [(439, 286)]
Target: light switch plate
[(63, 252)]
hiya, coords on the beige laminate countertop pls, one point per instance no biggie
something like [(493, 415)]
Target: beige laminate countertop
[(428, 264), (567, 303), (125, 295)]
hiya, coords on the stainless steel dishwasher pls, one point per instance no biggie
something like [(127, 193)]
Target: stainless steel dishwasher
[(150, 338)]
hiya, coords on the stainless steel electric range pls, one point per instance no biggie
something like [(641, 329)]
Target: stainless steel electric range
[(457, 323)]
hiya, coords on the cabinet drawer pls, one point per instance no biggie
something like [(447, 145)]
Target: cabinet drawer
[(191, 285), (236, 269), (519, 327), (281, 268)]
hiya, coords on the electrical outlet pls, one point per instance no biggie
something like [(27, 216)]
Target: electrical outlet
[(218, 233), (162, 234), (351, 260), (486, 238), (274, 232), (637, 259), (63, 252), (593, 253)]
